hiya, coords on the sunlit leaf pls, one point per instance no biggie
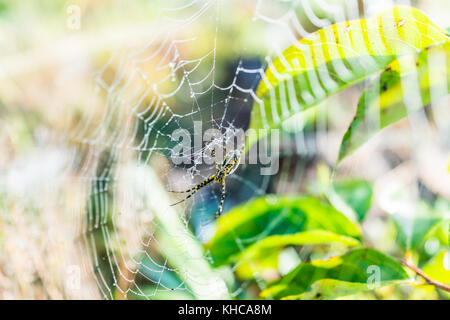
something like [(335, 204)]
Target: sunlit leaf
[(272, 245), (265, 265), (331, 59), (408, 84), (439, 267), (360, 269), (277, 215), (327, 289), (306, 237)]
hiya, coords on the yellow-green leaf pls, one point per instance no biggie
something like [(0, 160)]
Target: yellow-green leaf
[(360, 269), (271, 246), (439, 267), (306, 237), (328, 289), (335, 57), (408, 84)]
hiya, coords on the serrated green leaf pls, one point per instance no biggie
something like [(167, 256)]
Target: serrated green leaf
[(275, 215), (355, 267), (334, 58)]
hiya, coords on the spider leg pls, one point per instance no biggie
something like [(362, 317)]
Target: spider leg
[(222, 199), (194, 189), (182, 200), (213, 154)]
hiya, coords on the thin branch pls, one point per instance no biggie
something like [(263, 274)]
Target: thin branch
[(428, 280)]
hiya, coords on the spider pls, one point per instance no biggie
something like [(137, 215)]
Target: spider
[(229, 164)]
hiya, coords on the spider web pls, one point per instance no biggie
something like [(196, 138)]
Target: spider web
[(180, 78)]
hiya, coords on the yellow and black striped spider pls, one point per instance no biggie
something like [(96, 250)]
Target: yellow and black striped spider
[(229, 164)]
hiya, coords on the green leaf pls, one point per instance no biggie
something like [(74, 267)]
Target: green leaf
[(327, 289), (357, 194), (335, 57), (264, 264), (356, 269), (306, 237), (256, 257), (277, 215), (407, 85)]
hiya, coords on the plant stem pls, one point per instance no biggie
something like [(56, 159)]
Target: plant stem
[(428, 280)]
